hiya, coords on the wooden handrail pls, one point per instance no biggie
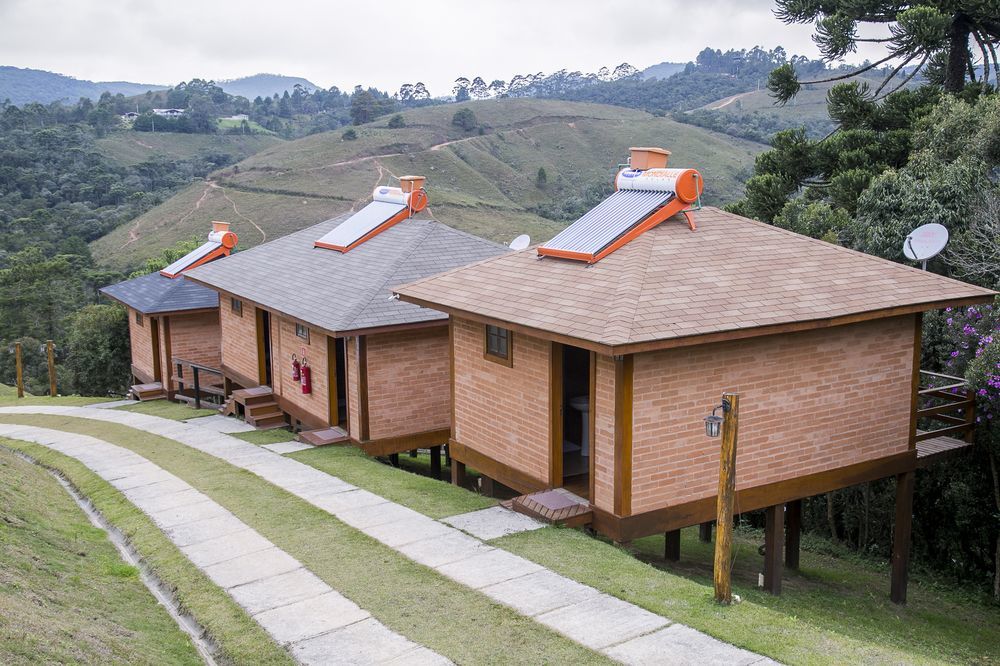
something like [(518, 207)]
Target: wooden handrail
[(957, 411)]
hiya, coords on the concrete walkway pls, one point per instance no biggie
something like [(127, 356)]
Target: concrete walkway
[(621, 630), (299, 611)]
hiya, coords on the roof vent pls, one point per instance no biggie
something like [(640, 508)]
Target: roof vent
[(389, 206), (646, 195), (221, 242)]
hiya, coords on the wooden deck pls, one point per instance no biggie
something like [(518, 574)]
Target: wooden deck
[(554, 506), (936, 449)]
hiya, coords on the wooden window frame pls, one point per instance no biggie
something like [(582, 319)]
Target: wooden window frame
[(299, 335), (507, 360), (236, 306), (139, 319)]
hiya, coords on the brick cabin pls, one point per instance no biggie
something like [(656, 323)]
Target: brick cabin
[(595, 375), (174, 321), (378, 366)]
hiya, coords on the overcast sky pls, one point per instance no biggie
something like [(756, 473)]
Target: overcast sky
[(384, 43)]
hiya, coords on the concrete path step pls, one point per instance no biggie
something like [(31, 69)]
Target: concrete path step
[(316, 623)]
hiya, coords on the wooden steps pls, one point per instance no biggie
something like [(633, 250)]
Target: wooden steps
[(151, 391), (260, 409), (324, 436), (555, 506)]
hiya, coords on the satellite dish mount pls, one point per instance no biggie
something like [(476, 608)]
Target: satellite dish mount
[(925, 242)]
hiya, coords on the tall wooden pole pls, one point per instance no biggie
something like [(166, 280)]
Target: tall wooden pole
[(20, 369), (51, 351), (727, 492)]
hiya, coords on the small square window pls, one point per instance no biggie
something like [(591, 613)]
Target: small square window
[(498, 345), (302, 332), (236, 305), (138, 318)]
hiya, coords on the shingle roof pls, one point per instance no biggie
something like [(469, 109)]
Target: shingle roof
[(155, 293), (731, 274), (342, 292)]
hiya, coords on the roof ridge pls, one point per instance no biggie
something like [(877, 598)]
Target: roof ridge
[(463, 267), (350, 318), (622, 313)]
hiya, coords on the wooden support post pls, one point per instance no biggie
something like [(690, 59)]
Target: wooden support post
[(727, 492), (705, 531), (447, 455), (793, 530), (197, 388), (672, 546), (50, 350), (436, 462), (413, 453), (394, 459), (18, 364), (457, 472), (773, 538), (901, 533), (487, 486)]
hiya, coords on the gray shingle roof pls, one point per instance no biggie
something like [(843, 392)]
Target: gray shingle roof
[(154, 293), (342, 292)]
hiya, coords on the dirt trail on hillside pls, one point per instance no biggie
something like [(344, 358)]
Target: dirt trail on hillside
[(263, 234), (725, 101), (133, 233)]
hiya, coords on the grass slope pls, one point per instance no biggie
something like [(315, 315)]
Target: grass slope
[(485, 184), (128, 148), (65, 594)]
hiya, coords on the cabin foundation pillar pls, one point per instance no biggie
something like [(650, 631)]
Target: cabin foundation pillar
[(487, 486), (394, 459), (773, 537), (793, 529), (705, 532), (457, 472), (436, 462), (672, 546), (901, 533)]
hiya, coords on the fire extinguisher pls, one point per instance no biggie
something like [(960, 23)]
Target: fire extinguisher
[(296, 366), (304, 372)]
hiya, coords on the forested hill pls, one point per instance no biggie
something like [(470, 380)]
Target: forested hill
[(22, 86), (265, 85)]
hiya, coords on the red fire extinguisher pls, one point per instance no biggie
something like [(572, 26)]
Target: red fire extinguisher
[(304, 372), (296, 366)]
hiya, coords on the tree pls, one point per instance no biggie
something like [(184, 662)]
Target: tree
[(98, 350), (396, 122), (363, 107), (465, 119), (542, 178), (926, 32), (349, 134)]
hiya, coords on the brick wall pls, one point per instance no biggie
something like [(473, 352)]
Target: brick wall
[(499, 411), (195, 337), (284, 343), (239, 338), (604, 434), (809, 402), (353, 398), (408, 382), (141, 341)]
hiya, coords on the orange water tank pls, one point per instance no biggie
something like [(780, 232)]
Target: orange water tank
[(411, 183)]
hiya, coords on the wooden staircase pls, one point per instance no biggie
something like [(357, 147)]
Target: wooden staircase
[(151, 391), (258, 406), (555, 506)]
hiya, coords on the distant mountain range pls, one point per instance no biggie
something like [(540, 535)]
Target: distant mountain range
[(22, 86), (264, 85), (663, 70)]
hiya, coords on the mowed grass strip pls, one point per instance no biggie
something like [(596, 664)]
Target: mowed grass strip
[(67, 597), (166, 409), (455, 621)]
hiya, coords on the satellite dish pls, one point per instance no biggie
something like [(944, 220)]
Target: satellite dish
[(925, 242), (521, 242)]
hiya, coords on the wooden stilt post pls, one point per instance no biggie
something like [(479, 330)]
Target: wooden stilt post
[(413, 453), (487, 486), (901, 533), (394, 459), (773, 538), (50, 350), (705, 531), (727, 493), (18, 364), (793, 529), (457, 472), (672, 546), (436, 462)]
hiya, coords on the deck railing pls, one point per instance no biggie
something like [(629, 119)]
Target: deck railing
[(944, 399), (198, 373)]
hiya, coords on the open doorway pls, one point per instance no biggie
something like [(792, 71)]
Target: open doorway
[(577, 402), (264, 347), (337, 362)]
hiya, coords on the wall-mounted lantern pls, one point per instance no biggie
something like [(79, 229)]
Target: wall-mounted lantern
[(713, 422)]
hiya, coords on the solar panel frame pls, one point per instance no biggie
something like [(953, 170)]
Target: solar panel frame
[(360, 224), (190, 258), (608, 221)]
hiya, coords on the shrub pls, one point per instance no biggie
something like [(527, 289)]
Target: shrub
[(397, 122), (465, 119), (349, 134), (98, 350)]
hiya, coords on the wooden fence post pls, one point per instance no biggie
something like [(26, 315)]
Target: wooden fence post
[(51, 351), (727, 491), (20, 369)]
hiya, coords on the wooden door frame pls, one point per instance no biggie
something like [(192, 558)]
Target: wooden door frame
[(263, 355), (555, 415), (154, 335)]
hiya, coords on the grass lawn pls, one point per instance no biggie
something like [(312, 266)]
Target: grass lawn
[(8, 397), (419, 603), (226, 124), (259, 437), (65, 594), (168, 409)]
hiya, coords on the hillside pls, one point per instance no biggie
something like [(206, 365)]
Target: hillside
[(663, 70), (129, 148), (264, 85), (483, 183), (22, 86)]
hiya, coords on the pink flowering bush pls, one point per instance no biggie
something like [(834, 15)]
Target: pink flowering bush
[(973, 334)]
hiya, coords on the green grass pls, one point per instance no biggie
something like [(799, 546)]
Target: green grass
[(8, 397), (419, 603), (168, 409), (65, 594), (484, 184), (128, 148), (255, 128), (259, 437), (66, 635)]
